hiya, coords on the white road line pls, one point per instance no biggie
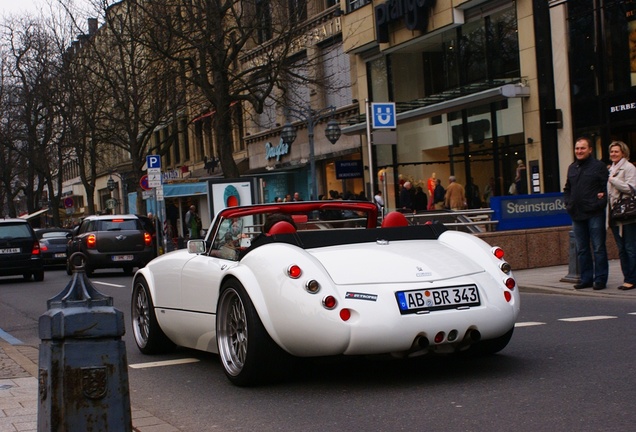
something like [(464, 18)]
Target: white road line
[(631, 313), (528, 324), (108, 284), (588, 318), (163, 363)]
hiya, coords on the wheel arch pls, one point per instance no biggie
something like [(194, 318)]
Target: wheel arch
[(252, 287)]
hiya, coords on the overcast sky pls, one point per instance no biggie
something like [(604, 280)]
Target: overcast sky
[(19, 6)]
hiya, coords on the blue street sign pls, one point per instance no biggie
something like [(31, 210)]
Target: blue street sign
[(153, 161), (383, 115)]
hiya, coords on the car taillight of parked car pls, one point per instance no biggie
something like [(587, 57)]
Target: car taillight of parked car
[(36, 249), (91, 241), (147, 239)]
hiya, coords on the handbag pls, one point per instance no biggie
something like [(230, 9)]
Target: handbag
[(625, 207)]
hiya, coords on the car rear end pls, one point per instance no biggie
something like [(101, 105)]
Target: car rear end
[(118, 243), (19, 250)]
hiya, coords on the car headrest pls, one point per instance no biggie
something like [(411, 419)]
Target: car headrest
[(282, 227), (394, 219)]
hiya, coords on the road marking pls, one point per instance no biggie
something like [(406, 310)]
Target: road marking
[(109, 284), (587, 318), (163, 363), (631, 313), (7, 337), (528, 324)]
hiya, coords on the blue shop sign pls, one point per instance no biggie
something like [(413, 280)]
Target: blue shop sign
[(529, 211), (348, 169)]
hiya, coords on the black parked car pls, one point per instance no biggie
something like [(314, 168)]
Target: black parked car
[(20, 250), (53, 243), (111, 241)]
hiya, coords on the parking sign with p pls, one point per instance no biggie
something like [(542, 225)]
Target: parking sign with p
[(153, 161)]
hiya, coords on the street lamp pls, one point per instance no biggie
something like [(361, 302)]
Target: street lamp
[(111, 185), (311, 118)]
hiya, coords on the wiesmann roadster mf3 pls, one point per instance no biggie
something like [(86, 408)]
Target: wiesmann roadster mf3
[(274, 282)]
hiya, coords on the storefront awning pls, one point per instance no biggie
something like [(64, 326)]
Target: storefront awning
[(173, 190), (34, 214), (458, 103)]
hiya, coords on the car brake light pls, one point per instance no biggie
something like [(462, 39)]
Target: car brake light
[(510, 283), (329, 302), (91, 241), (147, 239), (345, 314), (498, 252), (43, 247), (294, 271), (36, 249)]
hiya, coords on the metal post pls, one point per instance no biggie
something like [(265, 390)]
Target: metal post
[(83, 372), (367, 104)]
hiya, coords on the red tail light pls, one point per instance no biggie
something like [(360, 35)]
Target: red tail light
[(91, 241), (294, 271), (36, 249), (43, 247), (147, 239), (510, 283), (498, 252)]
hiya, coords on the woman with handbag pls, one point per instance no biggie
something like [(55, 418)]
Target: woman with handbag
[(620, 187)]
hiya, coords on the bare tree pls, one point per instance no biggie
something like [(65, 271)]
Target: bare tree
[(232, 52), (34, 65)]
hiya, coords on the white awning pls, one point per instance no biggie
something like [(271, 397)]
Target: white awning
[(34, 214)]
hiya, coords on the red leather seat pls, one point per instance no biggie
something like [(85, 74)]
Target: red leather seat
[(394, 219), (282, 227)]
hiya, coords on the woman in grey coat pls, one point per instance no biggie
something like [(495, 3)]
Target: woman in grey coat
[(622, 175)]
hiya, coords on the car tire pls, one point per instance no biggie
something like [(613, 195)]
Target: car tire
[(248, 354), (128, 270), (27, 276), (490, 346), (149, 337), (38, 276)]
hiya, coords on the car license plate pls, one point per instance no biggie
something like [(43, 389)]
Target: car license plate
[(60, 255), (437, 299), (9, 250), (122, 257)]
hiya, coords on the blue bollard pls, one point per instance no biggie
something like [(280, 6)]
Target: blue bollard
[(83, 372)]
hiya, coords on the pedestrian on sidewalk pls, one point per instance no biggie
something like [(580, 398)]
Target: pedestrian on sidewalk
[(622, 175), (585, 195)]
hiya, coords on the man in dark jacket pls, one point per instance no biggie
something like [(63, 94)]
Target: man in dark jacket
[(585, 196)]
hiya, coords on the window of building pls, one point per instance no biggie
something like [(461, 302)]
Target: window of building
[(356, 4), (337, 73), (186, 140), (264, 16), (297, 11)]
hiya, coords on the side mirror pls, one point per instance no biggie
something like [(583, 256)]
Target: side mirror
[(196, 246)]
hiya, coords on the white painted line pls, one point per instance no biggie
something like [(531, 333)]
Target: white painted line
[(588, 318), (528, 324), (631, 313), (108, 284), (163, 363)]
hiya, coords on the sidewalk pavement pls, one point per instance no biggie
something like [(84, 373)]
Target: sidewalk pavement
[(19, 393), (19, 363)]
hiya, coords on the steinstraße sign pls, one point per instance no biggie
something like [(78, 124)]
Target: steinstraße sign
[(529, 211)]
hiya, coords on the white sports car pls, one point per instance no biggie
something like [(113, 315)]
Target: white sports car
[(276, 281)]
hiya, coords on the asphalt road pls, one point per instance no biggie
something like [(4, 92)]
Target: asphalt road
[(569, 367)]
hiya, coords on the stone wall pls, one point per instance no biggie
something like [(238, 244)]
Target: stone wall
[(539, 247)]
